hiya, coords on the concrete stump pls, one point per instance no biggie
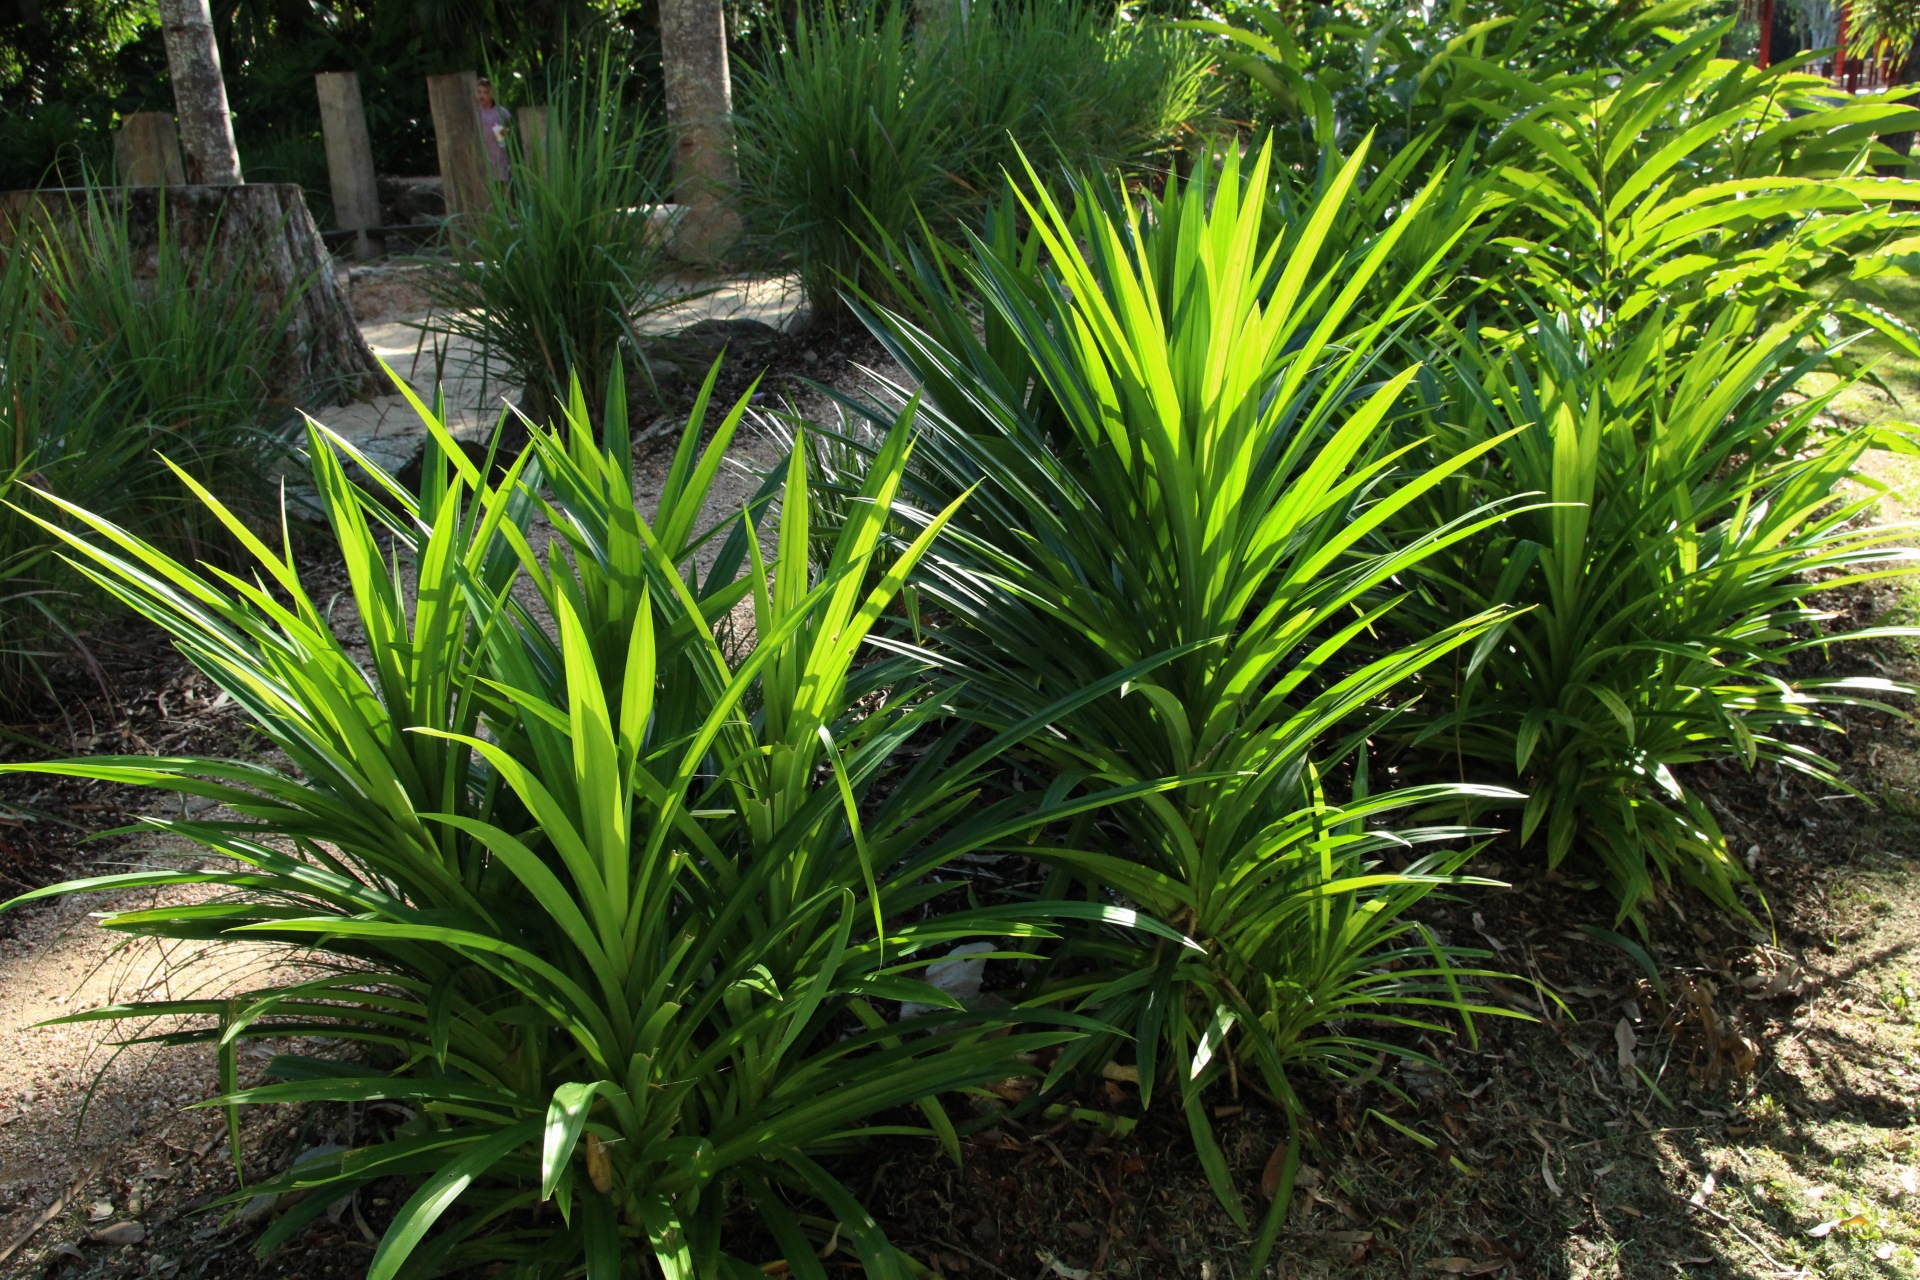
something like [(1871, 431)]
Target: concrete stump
[(536, 136)]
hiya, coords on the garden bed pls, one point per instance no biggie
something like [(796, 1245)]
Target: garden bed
[(1537, 1152)]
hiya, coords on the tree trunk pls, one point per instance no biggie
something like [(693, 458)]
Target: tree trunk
[(706, 173), (930, 17), (199, 94), (263, 228)]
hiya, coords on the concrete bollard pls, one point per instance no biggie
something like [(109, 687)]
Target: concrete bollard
[(456, 135), (536, 136), (356, 193), (146, 151)]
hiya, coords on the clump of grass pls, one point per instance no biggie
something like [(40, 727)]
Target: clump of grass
[(619, 942), (837, 135), (1065, 84), (550, 277), (856, 130), (113, 356)]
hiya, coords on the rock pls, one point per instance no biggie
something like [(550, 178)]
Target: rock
[(413, 200), (388, 289), (959, 974), (413, 471), (255, 1207), (700, 342), (730, 331)]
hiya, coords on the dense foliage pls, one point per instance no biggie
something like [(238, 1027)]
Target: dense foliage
[(611, 907), (1678, 239), (1173, 439), (1236, 550)]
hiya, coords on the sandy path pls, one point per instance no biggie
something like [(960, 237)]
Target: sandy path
[(71, 1095)]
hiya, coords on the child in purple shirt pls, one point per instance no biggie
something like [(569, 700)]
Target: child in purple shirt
[(494, 123)]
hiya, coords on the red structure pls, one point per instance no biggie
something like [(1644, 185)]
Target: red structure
[(1841, 74), (1849, 73)]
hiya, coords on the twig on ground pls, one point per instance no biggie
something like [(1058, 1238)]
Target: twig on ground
[(52, 1211), (1734, 1227)]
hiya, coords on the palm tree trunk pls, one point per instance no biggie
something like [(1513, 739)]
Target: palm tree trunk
[(706, 174), (199, 94)]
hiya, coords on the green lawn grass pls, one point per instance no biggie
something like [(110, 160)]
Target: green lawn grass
[(1897, 398)]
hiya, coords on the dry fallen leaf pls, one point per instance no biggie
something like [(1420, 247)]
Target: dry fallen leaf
[(1467, 1266), (1884, 1252), (1061, 1269), (1909, 1182), (1624, 1043), (1547, 1175), (1742, 1056), (1349, 1237), (1787, 979), (1838, 1224), (119, 1233), (1706, 1190), (1014, 1088), (599, 1164), (1276, 1166)]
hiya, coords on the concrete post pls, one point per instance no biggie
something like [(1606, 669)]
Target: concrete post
[(536, 135), (356, 193), (146, 151), (456, 134)]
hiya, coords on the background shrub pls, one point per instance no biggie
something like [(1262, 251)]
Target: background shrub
[(549, 278), (836, 134), (853, 130), (1679, 236), (114, 353), (1068, 85), (1705, 492)]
